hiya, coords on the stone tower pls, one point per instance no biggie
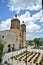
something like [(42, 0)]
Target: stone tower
[(15, 23), (23, 32), (15, 26)]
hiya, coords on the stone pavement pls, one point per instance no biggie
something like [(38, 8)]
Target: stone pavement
[(9, 55)]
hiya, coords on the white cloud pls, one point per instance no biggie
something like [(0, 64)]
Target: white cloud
[(41, 19), (29, 21), (25, 17), (31, 36), (37, 16), (31, 27), (39, 31), (24, 4), (5, 25)]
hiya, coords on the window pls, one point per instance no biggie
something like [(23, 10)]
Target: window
[(20, 34), (2, 36), (16, 39), (17, 27), (20, 46)]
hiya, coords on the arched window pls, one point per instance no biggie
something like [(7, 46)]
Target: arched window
[(2, 36), (9, 45), (20, 46)]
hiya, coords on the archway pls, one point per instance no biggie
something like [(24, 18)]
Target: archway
[(13, 47), (9, 48)]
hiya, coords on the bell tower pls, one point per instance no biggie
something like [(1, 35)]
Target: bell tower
[(23, 27), (15, 23), (23, 30)]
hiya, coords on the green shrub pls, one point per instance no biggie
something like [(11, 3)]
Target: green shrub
[(1, 51)]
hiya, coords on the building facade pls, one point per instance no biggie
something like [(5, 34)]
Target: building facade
[(15, 38)]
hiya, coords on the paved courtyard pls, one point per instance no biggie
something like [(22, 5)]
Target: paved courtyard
[(17, 62)]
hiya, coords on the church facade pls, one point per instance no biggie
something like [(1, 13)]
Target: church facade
[(15, 38)]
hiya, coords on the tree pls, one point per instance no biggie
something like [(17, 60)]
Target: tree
[(1, 46), (1, 51), (36, 40), (30, 43)]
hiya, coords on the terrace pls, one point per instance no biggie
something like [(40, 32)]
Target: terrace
[(33, 56)]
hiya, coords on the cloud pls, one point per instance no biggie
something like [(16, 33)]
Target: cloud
[(41, 20), (25, 17), (18, 5), (30, 21), (31, 36), (37, 16), (5, 25), (31, 26), (39, 31)]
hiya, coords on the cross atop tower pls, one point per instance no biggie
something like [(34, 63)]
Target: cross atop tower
[(15, 15), (23, 21)]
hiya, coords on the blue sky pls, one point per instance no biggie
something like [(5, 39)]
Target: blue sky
[(29, 11)]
